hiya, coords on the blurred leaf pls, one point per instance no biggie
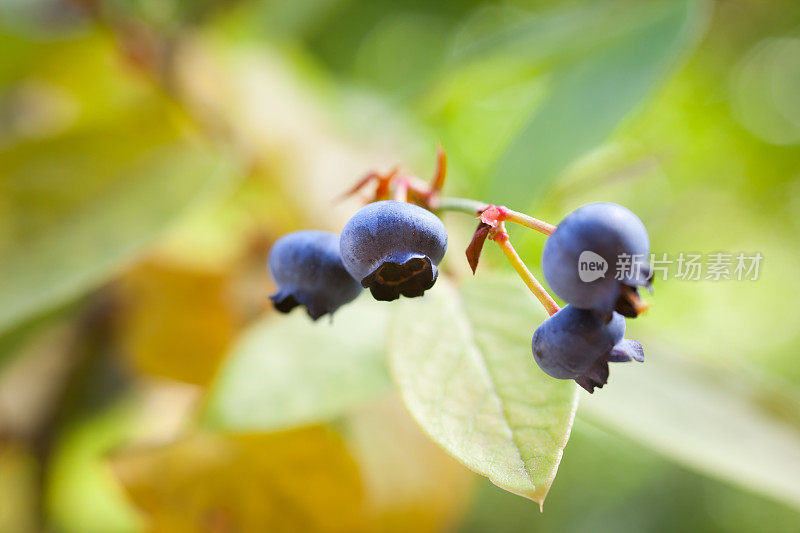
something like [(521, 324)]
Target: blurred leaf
[(552, 30), (176, 323), (302, 480), (284, 19), (18, 475), (610, 484), (413, 44), (589, 96), (13, 341), (33, 381), (465, 370), (82, 495), (98, 215), (703, 420), (289, 371), (410, 483)]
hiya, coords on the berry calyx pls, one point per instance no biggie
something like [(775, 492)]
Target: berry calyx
[(406, 188)]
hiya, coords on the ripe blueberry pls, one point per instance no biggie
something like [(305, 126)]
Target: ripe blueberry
[(578, 344), (308, 269), (597, 257), (393, 248)]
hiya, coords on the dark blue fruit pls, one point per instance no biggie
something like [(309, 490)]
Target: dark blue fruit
[(578, 344), (590, 249), (393, 248), (308, 269)]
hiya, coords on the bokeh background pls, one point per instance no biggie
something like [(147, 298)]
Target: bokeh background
[(151, 150)]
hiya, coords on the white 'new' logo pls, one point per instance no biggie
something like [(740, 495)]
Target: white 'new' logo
[(591, 266)]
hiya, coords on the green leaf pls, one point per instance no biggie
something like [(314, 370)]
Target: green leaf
[(551, 32), (589, 96), (707, 420), (73, 218), (82, 494), (289, 371), (464, 367)]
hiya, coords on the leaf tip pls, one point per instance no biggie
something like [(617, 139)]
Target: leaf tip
[(538, 495)]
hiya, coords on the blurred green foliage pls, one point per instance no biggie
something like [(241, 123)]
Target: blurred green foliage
[(150, 151)]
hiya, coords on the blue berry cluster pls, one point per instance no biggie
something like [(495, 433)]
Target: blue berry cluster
[(392, 248), (581, 339)]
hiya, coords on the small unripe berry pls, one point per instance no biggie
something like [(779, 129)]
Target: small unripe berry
[(578, 344), (308, 269)]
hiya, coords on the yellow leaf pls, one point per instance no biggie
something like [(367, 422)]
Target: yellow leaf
[(18, 472), (302, 480), (176, 322)]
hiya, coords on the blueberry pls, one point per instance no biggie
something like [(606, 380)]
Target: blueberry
[(579, 343), (589, 248), (308, 269), (393, 248)]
